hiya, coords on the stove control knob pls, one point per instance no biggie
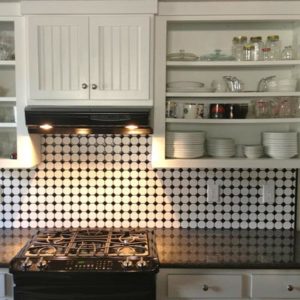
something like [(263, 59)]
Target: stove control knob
[(42, 264), (126, 263), (26, 264), (141, 263)]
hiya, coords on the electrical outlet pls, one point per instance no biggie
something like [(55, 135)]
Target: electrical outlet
[(268, 192), (212, 192)]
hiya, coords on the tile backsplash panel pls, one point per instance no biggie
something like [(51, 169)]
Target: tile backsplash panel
[(107, 180)]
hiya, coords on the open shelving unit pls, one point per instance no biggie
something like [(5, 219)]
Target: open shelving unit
[(189, 33)]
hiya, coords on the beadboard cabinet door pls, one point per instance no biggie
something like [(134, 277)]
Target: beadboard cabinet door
[(119, 57), (89, 58), (58, 57)]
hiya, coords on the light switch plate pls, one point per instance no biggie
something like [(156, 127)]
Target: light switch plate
[(213, 193), (268, 192)]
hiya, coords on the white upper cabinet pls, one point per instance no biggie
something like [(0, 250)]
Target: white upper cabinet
[(58, 57), (17, 148), (176, 118), (119, 57), (90, 58)]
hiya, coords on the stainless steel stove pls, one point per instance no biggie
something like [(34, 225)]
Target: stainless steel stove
[(87, 264)]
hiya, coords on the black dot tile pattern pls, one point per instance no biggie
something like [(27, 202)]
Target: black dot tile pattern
[(108, 181)]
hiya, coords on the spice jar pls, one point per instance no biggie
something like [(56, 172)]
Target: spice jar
[(257, 42), (274, 44), (238, 43)]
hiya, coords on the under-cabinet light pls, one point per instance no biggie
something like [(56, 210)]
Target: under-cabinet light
[(83, 130), (46, 126), (131, 127)]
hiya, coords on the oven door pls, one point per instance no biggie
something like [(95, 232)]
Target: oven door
[(84, 286)]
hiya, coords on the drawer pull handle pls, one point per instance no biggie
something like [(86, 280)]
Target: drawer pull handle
[(84, 86), (205, 287), (94, 86), (290, 288)]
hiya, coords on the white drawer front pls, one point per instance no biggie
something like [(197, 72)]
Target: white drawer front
[(204, 286), (2, 285), (276, 286)]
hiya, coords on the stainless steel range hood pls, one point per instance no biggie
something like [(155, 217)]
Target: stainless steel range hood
[(87, 120)]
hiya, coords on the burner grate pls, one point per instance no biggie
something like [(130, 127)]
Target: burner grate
[(88, 243)]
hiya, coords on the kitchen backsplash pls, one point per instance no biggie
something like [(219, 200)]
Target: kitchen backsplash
[(107, 180)]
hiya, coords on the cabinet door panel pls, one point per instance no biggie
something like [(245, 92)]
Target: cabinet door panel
[(58, 57), (276, 286), (120, 57), (2, 285), (204, 286)]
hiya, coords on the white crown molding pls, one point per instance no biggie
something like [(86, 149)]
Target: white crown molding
[(230, 7), (32, 7), (9, 9)]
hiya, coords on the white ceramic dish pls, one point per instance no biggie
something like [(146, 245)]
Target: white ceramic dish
[(185, 84)]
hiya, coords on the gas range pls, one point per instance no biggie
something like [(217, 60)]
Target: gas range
[(88, 250)]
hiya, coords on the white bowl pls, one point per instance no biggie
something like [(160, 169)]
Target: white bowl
[(253, 156)]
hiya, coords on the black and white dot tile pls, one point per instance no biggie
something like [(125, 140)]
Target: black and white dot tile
[(107, 180)]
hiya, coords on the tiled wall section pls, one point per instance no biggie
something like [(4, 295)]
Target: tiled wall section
[(107, 180)]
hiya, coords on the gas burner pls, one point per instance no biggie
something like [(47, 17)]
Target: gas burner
[(41, 251), (127, 239), (126, 251)]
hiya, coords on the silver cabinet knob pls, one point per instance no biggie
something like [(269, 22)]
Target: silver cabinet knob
[(84, 86), (205, 287), (290, 288), (94, 86)]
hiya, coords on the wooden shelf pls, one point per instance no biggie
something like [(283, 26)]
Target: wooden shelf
[(234, 121), (263, 64), (235, 95)]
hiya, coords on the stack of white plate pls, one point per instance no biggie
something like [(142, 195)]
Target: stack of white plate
[(185, 144), (280, 145), (221, 147), (253, 151)]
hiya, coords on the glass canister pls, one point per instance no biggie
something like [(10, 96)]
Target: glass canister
[(273, 42), (266, 53), (258, 44), (248, 51), (238, 43), (287, 53)]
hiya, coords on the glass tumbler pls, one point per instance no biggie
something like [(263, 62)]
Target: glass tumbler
[(287, 53), (262, 108)]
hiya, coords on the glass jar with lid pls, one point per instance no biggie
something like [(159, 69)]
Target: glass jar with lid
[(258, 44), (238, 43), (273, 42), (248, 51)]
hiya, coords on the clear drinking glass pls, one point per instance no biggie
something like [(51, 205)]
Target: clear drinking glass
[(262, 108), (287, 53)]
